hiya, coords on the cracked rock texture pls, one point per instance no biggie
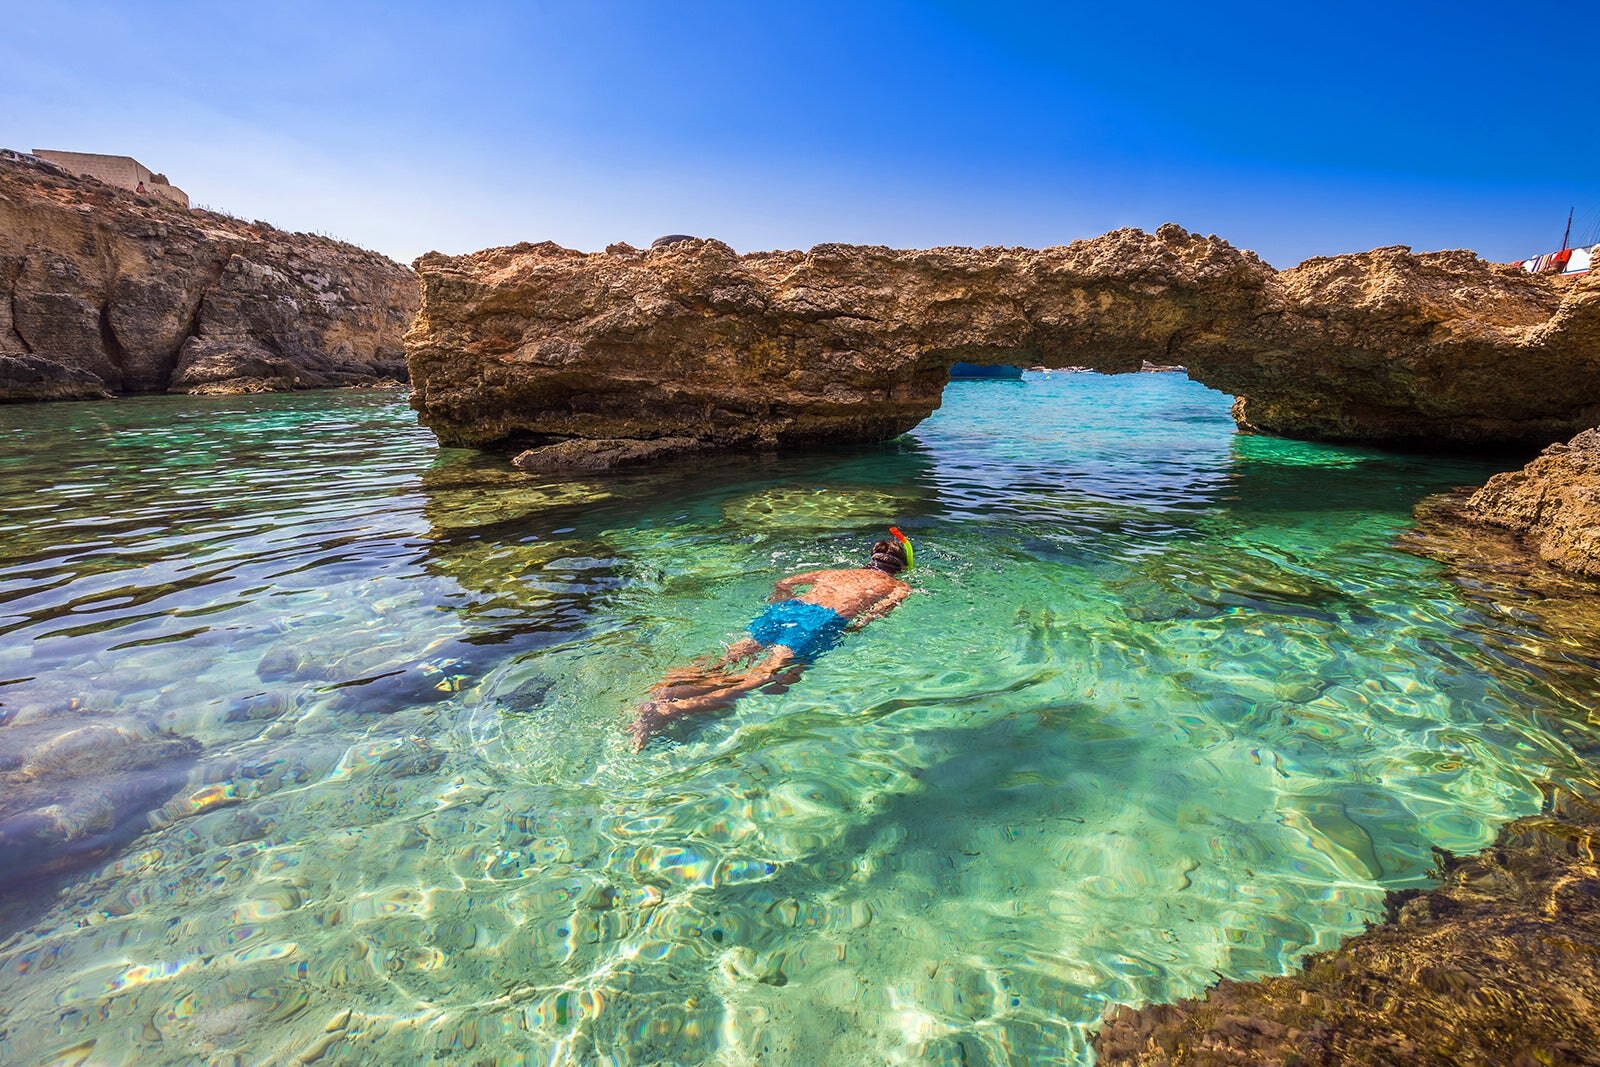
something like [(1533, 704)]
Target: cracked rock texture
[(536, 345), (104, 291)]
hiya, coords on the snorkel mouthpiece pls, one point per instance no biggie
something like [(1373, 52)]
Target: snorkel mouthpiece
[(905, 543)]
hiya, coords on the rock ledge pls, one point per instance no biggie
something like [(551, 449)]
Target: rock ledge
[(1553, 504), (1499, 966)]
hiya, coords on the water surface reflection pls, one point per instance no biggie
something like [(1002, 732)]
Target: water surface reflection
[(1168, 704)]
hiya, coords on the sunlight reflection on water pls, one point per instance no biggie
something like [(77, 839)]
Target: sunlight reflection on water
[(1167, 705)]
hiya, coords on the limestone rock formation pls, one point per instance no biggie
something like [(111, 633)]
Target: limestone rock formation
[(30, 377), (601, 454), (102, 290), (1553, 504), (1500, 965), (538, 344)]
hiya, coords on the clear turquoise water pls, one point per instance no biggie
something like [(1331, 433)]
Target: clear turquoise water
[(1167, 705)]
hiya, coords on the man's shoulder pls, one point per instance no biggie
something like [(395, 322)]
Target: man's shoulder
[(815, 576), (857, 576)]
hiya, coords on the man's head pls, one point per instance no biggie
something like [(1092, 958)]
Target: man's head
[(888, 557)]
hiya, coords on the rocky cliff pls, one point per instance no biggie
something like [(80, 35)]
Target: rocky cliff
[(104, 291), (541, 345)]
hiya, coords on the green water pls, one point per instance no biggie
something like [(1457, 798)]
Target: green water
[(1167, 705)]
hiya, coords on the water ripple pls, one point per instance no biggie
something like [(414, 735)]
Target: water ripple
[(311, 733)]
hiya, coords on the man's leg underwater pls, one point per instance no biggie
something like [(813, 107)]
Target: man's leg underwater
[(704, 666), (705, 691)]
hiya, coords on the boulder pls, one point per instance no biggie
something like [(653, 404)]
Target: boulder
[(28, 377)]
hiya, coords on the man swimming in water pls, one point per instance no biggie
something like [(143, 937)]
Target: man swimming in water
[(798, 627)]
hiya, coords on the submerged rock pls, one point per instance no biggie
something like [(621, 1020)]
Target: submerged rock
[(601, 454), (1498, 966), (103, 291), (73, 790), (852, 343)]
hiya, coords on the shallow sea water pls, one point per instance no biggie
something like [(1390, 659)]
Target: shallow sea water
[(1167, 705)]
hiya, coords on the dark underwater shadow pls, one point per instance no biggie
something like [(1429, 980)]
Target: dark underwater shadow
[(75, 791)]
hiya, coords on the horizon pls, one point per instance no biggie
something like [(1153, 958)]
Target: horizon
[(404, 130)]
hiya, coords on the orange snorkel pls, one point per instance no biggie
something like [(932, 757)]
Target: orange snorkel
[(905, 543)]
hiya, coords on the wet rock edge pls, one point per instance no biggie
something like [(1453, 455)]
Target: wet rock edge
[(1500, 964)]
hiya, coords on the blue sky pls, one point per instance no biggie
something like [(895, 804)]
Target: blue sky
[(1295, 129)]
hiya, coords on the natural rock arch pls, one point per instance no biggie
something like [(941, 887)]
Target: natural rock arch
[(692, 345)]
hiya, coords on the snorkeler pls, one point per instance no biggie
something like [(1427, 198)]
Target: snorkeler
[(798, 627)]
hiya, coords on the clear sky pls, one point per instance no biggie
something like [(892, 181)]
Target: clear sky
[(1294, 128)]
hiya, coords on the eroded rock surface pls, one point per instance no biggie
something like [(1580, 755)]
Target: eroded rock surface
[(29, 377), (1499, 966), (102, 290), (586, 454), (539, 344), (1553, 504)]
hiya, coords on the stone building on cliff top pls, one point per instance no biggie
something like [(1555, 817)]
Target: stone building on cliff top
[(125, 172)]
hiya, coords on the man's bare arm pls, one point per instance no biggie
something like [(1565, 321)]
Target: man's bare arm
[(880, 607)]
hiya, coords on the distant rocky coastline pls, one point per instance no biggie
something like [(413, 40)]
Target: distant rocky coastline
[(103, 291), (535, 346)]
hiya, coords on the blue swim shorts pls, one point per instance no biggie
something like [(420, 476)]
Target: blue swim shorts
[(805, 628)]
